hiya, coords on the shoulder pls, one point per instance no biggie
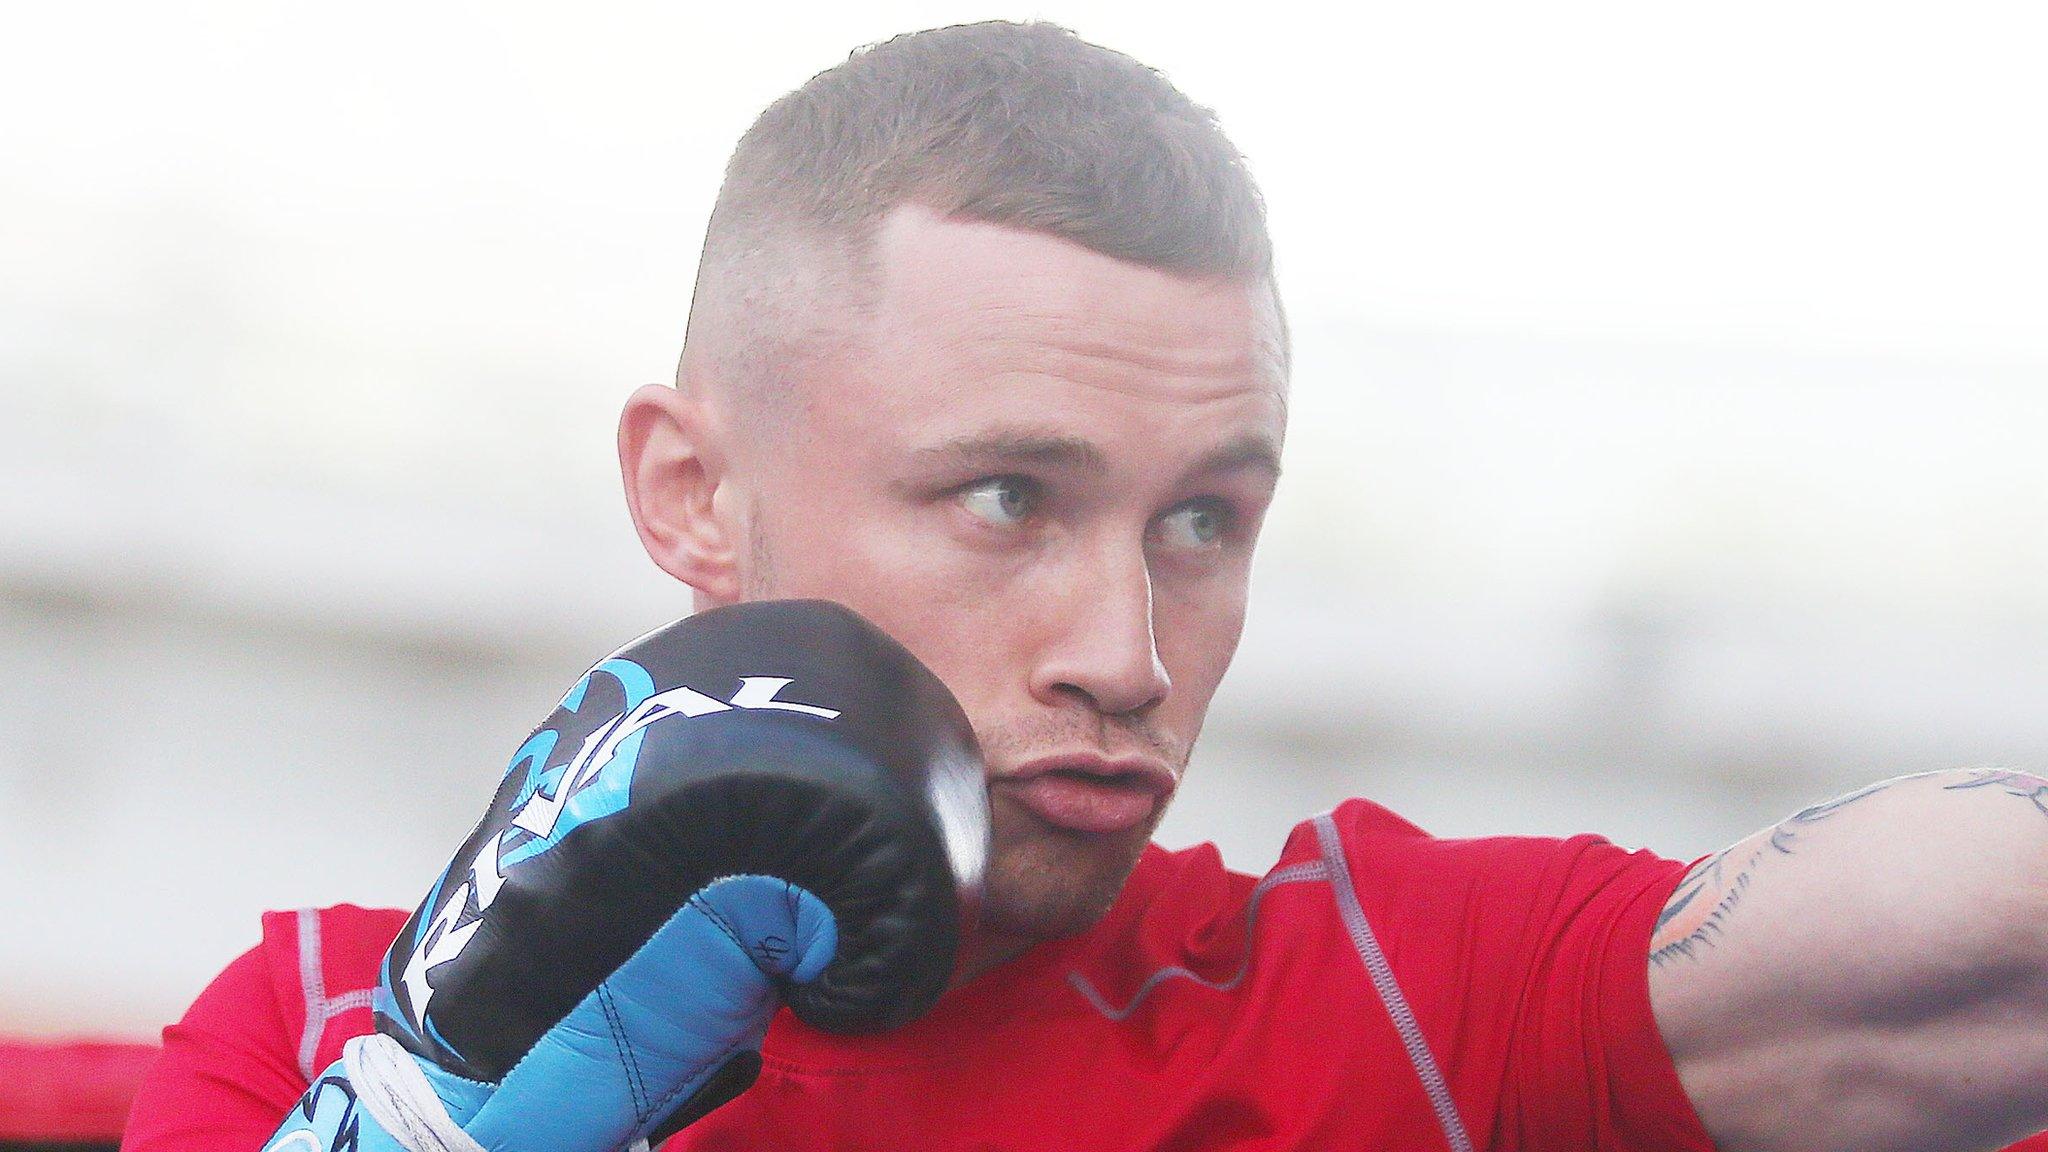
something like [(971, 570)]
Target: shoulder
[(312, 965), (249, 1044), (1527, 956), (1496, 908), (328, 949), (1391, 860), (313, 968), (323, 964)]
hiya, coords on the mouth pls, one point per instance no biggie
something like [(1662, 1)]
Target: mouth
[(1090, 793)]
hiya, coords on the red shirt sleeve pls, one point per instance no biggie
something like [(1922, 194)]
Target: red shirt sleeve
[(238, 1061), (1527, 963), (228, 1071), (1586, 1054)]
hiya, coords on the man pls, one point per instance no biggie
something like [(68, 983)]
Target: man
[(986, 346)]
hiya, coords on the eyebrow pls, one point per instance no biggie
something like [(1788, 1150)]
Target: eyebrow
[(1016, 446), (1013, 447), (1253, 451)]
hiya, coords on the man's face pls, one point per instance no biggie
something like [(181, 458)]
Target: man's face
[(1043, 470)]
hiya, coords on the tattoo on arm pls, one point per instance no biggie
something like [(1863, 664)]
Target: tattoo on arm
[(1697, 914), (2030, 788), (1705, 899), (1786, 832)]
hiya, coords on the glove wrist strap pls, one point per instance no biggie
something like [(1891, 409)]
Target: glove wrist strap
[(391, 1087)]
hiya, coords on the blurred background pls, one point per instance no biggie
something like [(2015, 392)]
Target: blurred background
[(1671, 398)]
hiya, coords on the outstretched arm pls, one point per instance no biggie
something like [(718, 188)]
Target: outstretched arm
[(1870, 973)]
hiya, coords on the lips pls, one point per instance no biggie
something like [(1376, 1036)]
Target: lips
[(1091, 794)]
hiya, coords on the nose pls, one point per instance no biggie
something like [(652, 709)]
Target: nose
[(1100, 645)]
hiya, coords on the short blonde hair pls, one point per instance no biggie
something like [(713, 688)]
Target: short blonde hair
[(1025, 125)]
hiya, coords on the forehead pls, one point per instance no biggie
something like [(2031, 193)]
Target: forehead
[(976, 320), (988, 282)]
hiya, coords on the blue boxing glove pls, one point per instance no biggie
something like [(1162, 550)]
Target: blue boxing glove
[(765, 804)]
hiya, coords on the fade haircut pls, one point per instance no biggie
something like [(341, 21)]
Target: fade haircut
[(1025, 125)]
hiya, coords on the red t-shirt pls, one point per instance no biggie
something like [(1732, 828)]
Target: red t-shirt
[(1378, 988)]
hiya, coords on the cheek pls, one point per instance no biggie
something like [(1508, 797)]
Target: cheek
[(1197, 626), (956, 609), (964, 616)]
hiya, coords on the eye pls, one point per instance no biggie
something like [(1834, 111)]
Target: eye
[(1003, 501), (1196, 525)]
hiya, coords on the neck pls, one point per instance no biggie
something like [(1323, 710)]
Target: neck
[(981, 951)]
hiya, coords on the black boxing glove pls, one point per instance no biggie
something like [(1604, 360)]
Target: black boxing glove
[(762, 804)]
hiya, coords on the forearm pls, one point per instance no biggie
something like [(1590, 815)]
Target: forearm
[(1871, 972)]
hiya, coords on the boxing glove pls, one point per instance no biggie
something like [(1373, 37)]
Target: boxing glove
[(762, 804)]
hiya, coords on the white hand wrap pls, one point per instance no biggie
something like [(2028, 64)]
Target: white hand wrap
[(391, 1087)]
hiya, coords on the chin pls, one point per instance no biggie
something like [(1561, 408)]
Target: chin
[(1044, 883)]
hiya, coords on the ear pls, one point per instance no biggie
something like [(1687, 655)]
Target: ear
[(672, 463)]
